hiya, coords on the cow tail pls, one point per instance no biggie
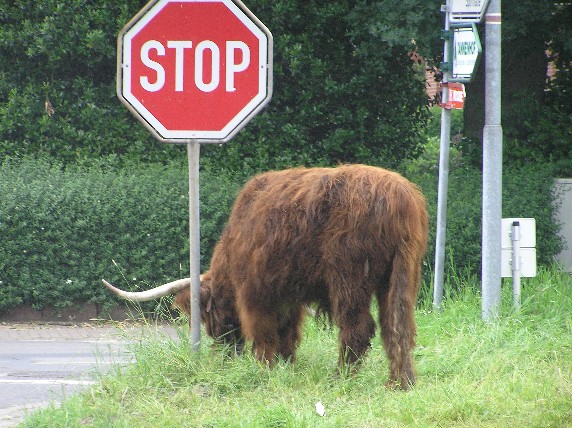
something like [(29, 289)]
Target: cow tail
[(399, 320)]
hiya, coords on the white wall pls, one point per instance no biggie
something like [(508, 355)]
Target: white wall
[(563, 189)]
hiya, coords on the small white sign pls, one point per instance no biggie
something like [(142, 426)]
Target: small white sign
[(467, 10), (527, 263), (527, 232), (526, 241)]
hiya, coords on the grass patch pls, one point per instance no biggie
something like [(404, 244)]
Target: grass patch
[(515, 371)]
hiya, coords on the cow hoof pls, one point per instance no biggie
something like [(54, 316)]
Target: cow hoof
[(403, 385)]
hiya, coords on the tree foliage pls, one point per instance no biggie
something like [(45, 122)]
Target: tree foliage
[(536, 109), (345, 86), (57, 81)]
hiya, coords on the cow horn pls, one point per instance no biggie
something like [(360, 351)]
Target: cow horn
[(154, 293)]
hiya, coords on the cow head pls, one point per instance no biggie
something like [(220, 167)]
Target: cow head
[(218, 313)]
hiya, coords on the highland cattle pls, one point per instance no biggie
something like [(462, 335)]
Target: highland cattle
[(329, 237)]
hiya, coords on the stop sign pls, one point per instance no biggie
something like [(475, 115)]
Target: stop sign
[(194, 70)]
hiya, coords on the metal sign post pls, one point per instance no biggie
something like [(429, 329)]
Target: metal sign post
[(193, 153), (461, 52), (441, 226), (515, 264)]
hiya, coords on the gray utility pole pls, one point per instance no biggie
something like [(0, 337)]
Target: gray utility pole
[(441, 226), (492, 166)]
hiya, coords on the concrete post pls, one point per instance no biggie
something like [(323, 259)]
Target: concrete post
[(492, 166)]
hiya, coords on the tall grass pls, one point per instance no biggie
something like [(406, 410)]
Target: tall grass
[(513, 372)]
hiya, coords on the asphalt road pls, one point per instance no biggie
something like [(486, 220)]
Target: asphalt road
[(42, 364)]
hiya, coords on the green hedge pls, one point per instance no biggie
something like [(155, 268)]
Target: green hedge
[(62, 231)]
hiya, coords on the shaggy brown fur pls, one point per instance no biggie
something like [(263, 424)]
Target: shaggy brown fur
[(331, 236)]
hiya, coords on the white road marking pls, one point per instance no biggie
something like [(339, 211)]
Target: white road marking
[(67, 361), (47, 381)]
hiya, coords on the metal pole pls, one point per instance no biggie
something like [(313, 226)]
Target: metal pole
[(441, 226), (492, 166), (515, 239), (193, 151)]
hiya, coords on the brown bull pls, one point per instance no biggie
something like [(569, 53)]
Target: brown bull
[(334, 237)]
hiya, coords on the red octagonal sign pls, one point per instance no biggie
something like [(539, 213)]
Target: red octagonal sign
[(194, 70)]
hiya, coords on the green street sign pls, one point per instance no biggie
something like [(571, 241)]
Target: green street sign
[(466, 52)]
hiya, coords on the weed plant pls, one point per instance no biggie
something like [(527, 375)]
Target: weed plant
[(515, 371)]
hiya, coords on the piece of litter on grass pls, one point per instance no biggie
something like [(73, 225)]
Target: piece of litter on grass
[(320, 409)]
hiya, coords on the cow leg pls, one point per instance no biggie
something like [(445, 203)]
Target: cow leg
[(259, 324), (262, 330), (396, 317), (289, 333), (352, 314)]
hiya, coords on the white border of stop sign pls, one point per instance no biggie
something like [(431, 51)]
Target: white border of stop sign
[(154, 125)]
